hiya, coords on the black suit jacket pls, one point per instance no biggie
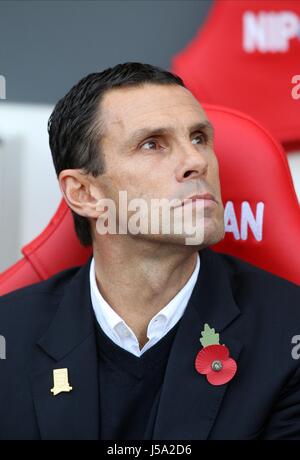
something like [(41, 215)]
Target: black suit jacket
[(50, 325)]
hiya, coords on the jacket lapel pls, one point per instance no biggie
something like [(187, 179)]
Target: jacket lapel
[(189, 405), (69, 343)]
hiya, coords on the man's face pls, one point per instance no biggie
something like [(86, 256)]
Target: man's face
[(158, 143)]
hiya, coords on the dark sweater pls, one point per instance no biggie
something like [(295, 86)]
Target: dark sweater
[(130, 387)]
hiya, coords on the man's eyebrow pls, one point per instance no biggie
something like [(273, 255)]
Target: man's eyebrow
[(143, 133)]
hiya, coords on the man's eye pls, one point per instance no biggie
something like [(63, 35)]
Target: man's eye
[(199, 139), (149, 145)]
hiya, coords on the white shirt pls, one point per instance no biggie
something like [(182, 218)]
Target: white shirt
[(121, 334)]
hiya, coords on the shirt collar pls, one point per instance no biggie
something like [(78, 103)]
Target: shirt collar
[(116, 328), (175, 308)]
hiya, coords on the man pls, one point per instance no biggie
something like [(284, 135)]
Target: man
[(112, 350)]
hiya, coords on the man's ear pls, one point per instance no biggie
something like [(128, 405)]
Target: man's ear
[(80, 192)]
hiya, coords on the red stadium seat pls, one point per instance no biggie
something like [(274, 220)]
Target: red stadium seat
[(262, 214), (246, 56)]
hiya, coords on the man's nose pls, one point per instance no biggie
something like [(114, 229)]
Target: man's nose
[(192, 165)]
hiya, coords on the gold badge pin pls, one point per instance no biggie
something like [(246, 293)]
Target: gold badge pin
[(60, 381)]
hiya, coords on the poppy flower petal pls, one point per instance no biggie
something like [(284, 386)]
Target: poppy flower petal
[(207, 355), (220, 352), (225, 375), (202, 364), (213, 352)]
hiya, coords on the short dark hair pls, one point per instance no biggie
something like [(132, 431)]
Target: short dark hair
[(73, 137)]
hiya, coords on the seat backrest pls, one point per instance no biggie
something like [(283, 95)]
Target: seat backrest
[(262, 214), (246, 56)]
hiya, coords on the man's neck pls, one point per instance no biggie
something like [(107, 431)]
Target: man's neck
[(138, 284)]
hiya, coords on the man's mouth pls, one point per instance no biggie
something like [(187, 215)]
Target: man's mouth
[(207, 198)]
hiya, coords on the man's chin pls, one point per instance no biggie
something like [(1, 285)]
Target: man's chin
[(198, 241)]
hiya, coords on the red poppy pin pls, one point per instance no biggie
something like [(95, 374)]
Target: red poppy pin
[(213, 360)]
